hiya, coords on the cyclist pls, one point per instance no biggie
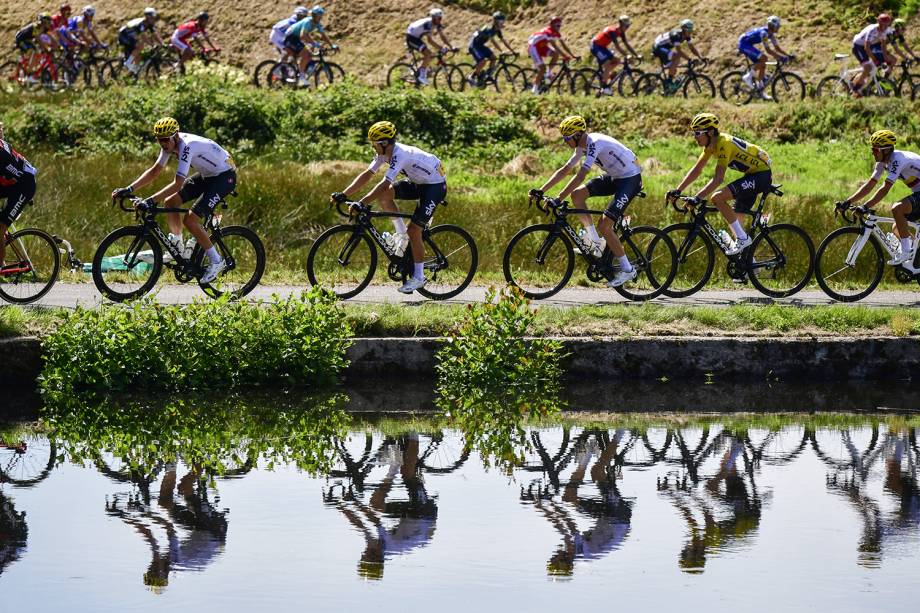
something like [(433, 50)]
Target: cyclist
[(893, 164), (543, 43), (479, 49), (189, 31), (622, 179), (299, 33), (67, 40), (747, 46), (81, 27), (898, 41), (215, 177), (729, 152), (17, 185), (137, 34), (279, 30), (61, 18), (422, 30), (606, 59), (873, 35), (40, 31), (667, 48), (426, 181)]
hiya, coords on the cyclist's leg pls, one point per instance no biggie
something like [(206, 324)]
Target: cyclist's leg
[(744, 192), (904, 211), (479, 59), (429, 197), (211, 190), (675, 56), (623, 192), (865, 64), (17, 197), (539, 66), (580, 200), (603, 56)]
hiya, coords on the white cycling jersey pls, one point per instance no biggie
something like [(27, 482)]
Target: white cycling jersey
[(421, 27), (904, 165), (279, 30), (202, 154), (871, 35), (613, 157), (419, 166)]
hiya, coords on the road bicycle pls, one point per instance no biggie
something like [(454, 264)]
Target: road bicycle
[(319, 71), (343, 259), (905, 81), (33, 264), (560, 82), (784, 85), (129, 261), (841, 85), (779, 261), (26, 463), (16, 75), (502, 77), (156, 62), (440, 74), (691, 82), (851, 260), (589, 81), (540, 258)]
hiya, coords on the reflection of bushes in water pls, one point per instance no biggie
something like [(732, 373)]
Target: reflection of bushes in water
[(216, 436), (13, 532), (213, 344), (491, 379)]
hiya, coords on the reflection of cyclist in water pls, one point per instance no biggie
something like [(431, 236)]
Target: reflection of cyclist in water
[(13, 532), (611, 512), (390, 527), (182, 535)]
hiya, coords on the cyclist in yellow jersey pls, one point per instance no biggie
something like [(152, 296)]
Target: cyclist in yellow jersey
[(729, 152)]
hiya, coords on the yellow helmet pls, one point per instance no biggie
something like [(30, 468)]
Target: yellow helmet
[(573, 125), (165, 127), (883, 138), (382, 130), (704, 121)]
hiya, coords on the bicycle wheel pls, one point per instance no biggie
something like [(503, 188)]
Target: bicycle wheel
[(259, 75), (564, 83), (282, 74), (524, 79), (628, 81), (32, 265), (327, 73), (343, 260), (450, 262), (732, 88), (833, 87), (401, 72), (245, 256), (846, 270), (650, 84), (780, 260), (699, 86), (907, 84), (457, 75), (788, 87), (586, 82), (505, 78), (152, 74), (696, 259), (11, 76), (32, 466), (127, 264), (654, 257), (539, 260)]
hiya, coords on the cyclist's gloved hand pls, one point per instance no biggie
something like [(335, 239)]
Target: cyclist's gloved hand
[(674, 194), (694, 200), (862, 209), (842, 204), (554, 202), (122, 192), (535, 194), (339, 197)]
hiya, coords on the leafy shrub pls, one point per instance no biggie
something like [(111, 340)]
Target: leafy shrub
[(217, 344)]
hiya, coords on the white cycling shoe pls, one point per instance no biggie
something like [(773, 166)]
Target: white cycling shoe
[(214, 269), (901, 258), (740, 246), (413, 284), (622, 277)]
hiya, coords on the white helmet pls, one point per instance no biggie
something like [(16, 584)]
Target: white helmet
[(625, 20), (150, 11), (435, 13), (88, 10), (301, 12), (773, 22)]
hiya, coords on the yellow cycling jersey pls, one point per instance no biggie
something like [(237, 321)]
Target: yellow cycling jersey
[(732, 152)]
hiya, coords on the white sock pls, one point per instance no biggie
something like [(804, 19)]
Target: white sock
[(400, 225), (418, 271), (213, 256), (176, 238), (592, 233), (625, 266), (906, 245), (738, 230)]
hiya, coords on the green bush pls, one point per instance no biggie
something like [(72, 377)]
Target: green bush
[(217, 345)]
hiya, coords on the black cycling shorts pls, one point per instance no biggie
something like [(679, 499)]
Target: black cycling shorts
[(914, 200), (18, 196), (623, 191), (429, 196), (25, 45), (208, 190), (128, 42), (746, 189), (294, 43), (415, 43)]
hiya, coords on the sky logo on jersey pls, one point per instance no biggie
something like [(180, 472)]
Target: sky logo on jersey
[(748, 184)]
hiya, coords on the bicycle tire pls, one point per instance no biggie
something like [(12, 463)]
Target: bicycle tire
[(627, 82), (457, 75), (586, 82), (140, 240), (907, 84), (50, 259), (563, 83), (833, 87), (402, 72), (650, 84), (152, 74), (650, 282), (261, 67), (873, 268), (699, 86), (505, 78), (685, 279), (525, 79), (282, 74), (339, 238), (327, 73), (769, 242), (254, 260), (788, 87), (28, 471), (733, 90), (11, 75), (534, 248), (436, 259)]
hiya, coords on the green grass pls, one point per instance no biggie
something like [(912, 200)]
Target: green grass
[(17, 321)]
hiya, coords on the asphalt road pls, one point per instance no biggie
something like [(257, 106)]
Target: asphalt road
[(72, 294)]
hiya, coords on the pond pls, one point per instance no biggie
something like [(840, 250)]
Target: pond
[(255, 504)]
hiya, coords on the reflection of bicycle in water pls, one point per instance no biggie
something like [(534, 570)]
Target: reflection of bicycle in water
[(27, 462), (14, 532), (561, 499), (392, 525)]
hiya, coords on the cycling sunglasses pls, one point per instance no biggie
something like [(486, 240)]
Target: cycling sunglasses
[(568, 138), (163, 139), (700, 132)]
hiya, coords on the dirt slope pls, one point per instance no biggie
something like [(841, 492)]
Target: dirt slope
[(370, 32)]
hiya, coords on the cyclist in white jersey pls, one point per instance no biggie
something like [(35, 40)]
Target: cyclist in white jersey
[(422, 30), (279, 30), (214, 178), (873, 35), (622, 179), (426, 182), (893, 164)]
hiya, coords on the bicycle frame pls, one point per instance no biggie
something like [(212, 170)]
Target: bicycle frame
[(870, 225), (22, 255), (847, 74)]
